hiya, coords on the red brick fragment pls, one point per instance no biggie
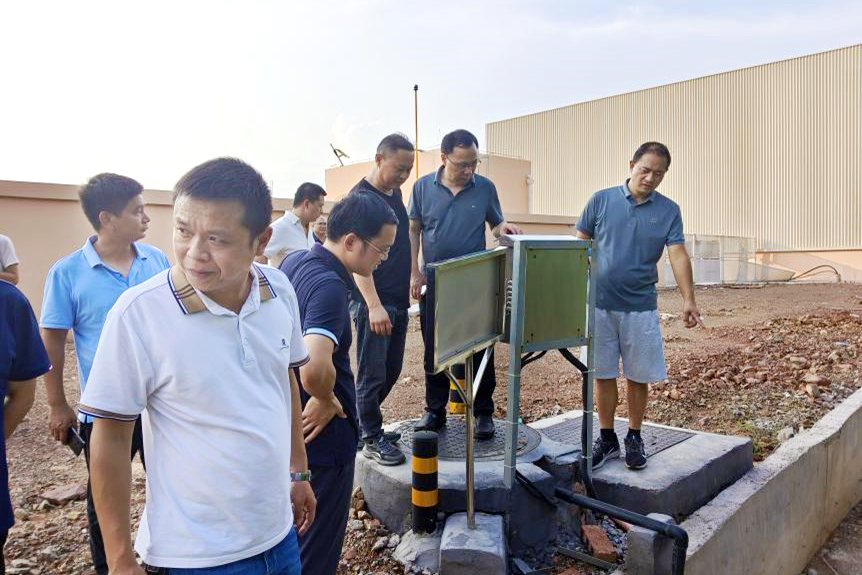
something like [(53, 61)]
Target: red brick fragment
[(598, 543)]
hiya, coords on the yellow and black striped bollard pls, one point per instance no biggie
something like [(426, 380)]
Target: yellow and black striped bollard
[(424, 492), (456, 402)]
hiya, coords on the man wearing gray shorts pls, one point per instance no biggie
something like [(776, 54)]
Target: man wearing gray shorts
[(631, 225)]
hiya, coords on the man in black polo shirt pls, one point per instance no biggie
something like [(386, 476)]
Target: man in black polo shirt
[(448, 211), (379, 310), (360, 232)]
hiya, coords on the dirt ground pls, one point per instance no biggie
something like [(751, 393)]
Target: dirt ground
[(769, 359)]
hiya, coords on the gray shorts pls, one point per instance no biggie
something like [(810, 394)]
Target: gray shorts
[(636, 338)]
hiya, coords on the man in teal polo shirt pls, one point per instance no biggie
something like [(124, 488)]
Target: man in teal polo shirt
[(631, 224), (80, 290)]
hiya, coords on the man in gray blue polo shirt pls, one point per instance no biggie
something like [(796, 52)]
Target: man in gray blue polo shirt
[(631, 224), (448, 211)]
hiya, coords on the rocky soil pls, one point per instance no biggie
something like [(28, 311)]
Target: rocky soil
[(770, 362)]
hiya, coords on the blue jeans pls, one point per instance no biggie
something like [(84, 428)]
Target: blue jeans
[(379, 359), (283, 559)]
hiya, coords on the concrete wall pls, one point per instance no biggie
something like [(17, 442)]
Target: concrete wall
[(510, 176), (774, 519), (847, 262), (45, 222)]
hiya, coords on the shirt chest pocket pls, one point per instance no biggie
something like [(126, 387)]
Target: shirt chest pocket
[(652, 233)]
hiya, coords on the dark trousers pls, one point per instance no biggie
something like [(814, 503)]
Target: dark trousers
[(97, 546), (380, 359), (320, 547), (437, 385)]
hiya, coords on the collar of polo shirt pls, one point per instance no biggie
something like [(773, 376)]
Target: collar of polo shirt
[(190, 301), (628, 194), (92, 256)]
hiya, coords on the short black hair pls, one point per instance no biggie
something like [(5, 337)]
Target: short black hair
[(394, 142), (307, 191), (656, 148), (107, 192), (361, 213), (458, 138), (230, 180)]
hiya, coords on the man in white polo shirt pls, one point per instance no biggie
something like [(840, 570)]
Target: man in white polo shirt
[(205, 352), (294, 230)]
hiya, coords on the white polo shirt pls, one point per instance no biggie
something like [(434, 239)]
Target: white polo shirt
[(8, 257), (213, 387), (288, 235)]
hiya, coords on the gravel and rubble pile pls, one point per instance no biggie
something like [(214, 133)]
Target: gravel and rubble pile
[(782, 376), (368, 544), (770, 380)]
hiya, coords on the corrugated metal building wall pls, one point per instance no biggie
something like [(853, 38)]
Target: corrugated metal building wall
[(772, 152)]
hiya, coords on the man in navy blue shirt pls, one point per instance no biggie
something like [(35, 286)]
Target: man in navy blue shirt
[(448, 211), (630, 225), (379, 309), (22, 360), (360, 234)]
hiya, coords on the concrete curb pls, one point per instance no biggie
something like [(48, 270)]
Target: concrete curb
[(776, 517)]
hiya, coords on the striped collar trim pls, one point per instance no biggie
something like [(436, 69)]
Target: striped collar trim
[(190, 301)]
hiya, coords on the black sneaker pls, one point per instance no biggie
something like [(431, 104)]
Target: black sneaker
[(635, 452), (392, 436), (484, 427), (431, 421), (604, 450), (383, 452)]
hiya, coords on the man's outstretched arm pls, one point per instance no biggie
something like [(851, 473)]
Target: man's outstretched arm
[(681, 265)]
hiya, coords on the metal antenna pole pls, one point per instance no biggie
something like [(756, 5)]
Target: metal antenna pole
[(416, 122)]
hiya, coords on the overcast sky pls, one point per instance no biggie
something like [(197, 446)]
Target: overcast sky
[(150, 89)]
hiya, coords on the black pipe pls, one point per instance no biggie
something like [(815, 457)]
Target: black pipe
[(530, 357), (675, 532), (586, 474)]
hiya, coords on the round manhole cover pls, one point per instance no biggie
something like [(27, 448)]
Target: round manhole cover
[(452, 443)]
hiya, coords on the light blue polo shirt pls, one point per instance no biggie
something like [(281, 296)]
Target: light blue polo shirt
[(629, 239), (80, 290)]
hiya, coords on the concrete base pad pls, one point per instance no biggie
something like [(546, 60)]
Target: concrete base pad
[(676, 481), (465, 551), (419, 550), (387, 494)]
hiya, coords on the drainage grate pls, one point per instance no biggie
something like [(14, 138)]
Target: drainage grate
[(452, 443), (656, 439)]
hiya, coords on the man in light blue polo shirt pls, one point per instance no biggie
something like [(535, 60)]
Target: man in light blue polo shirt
[(80, 290), (631, 224)]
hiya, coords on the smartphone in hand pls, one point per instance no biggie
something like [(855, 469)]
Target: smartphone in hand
[(74, 441)]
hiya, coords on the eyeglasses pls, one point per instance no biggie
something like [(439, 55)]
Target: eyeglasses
[(384, 254), (462, 166)]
